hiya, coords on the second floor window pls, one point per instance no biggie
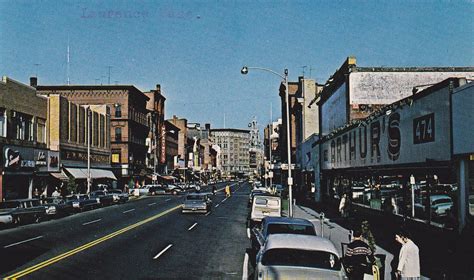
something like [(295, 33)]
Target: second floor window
[(118, 111), (118, 134)]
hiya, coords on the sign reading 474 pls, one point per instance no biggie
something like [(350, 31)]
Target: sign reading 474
[(424, 129)]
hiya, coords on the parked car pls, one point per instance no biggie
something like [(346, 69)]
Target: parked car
[(56, 206), (279, 225), (264, 205), (156, 189), (253, 193), (295, 256), (118, 196), (6, 216), (82, 202), (440, 205), (24, 210), (197, 203), (104, 197)]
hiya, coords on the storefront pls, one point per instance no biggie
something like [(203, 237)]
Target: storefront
[(26, 171), (400, 160)]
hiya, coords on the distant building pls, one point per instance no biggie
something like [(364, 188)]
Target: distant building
[(234, 150), (156, 120), (182, 125)]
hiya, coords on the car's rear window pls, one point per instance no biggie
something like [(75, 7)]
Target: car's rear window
[(195, 197), (301, 258), (289, 228), (267, 202), (442, 200)]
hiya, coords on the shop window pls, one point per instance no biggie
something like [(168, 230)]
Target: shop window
[(115, 156)]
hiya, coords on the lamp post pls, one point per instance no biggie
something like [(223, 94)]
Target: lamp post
[(88, 118), (244, 71)]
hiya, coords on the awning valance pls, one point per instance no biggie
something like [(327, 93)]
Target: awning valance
[(81, 173), (60, 176)]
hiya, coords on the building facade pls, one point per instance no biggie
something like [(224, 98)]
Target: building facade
[(128, 129), (25, 158), (156, 118), (234, 150)]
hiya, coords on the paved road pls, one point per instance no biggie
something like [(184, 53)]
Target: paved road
[(146, 238)]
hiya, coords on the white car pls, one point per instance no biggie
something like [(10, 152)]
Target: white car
[(295, 256)]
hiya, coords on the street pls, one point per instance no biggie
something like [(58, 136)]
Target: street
[(145, 238)]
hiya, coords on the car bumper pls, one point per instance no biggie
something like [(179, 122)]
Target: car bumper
[(6, 219), (193, 210)]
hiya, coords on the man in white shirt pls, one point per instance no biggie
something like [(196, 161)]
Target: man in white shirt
[(409, 258)]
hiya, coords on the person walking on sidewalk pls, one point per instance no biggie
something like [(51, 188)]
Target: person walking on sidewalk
[(358, 258), (409, 258)]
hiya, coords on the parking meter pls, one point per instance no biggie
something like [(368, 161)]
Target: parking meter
[(321, 218)]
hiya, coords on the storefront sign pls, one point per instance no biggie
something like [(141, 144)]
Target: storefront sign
[(82, 156), (402, 135)]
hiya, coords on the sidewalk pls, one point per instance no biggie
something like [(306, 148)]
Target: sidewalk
[(338, 234)]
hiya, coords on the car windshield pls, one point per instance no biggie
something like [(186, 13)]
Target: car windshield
[(290, 228), (301, 258)]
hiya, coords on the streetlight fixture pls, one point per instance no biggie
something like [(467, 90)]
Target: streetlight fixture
[(245, 71)]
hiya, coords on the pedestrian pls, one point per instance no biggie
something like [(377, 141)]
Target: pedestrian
[(409, 258), (358, 258), (56, 193), (342, 206), (213, 189), (227, 190)]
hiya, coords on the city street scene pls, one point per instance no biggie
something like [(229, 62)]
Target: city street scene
[(204, 139)]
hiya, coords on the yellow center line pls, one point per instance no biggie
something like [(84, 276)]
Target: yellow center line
[(53, 260)]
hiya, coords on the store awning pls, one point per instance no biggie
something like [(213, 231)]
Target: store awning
[(81, 173), (168, 177), (60, 176)]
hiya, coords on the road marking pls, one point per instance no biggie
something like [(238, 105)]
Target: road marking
[(152, 204), (129, 210), (208, 213), (224, 200), (217, 205), (91, 222), (245, 268), (24, 241), (248, 233), (86, 246), (162, 251), (168, 199), (191, 227)]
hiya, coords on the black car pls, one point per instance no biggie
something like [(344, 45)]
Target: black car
[(56, 206), (105, 198), (82, 202), (24, 210)]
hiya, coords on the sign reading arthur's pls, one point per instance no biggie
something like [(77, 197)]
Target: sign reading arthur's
[(403, 134)]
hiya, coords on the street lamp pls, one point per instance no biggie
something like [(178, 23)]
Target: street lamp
[(244, 71)]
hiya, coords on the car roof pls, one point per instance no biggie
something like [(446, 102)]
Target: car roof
[(287, 220), (267, 195), (438, 196), (300, 242)]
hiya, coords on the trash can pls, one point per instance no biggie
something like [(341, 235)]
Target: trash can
[(380, 260)]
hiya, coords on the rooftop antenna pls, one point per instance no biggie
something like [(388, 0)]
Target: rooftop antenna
[(310, 71), (97, 81), (224, 120), (304, 67), (109, 72), (67, 63), (116, 82), (36, 69)]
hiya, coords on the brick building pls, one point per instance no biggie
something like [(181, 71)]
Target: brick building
[(128, 124)]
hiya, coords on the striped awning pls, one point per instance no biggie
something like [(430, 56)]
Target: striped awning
[(81, 173)]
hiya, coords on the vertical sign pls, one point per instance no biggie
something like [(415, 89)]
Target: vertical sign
[(163, 145)]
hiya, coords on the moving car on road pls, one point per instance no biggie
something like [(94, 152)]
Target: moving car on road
[(280, 225), (156, 189), (197, 203), (294, 256), (82, 202), (119, 196)]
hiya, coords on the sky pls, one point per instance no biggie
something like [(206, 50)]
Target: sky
[(195, 49)]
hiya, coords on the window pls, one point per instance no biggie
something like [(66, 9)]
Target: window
[(118, 134), (118, 110), (22, 127), (3, 123), (41, 131), (115, 156)]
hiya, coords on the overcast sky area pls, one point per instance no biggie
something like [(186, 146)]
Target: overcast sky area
[(195, 49)]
